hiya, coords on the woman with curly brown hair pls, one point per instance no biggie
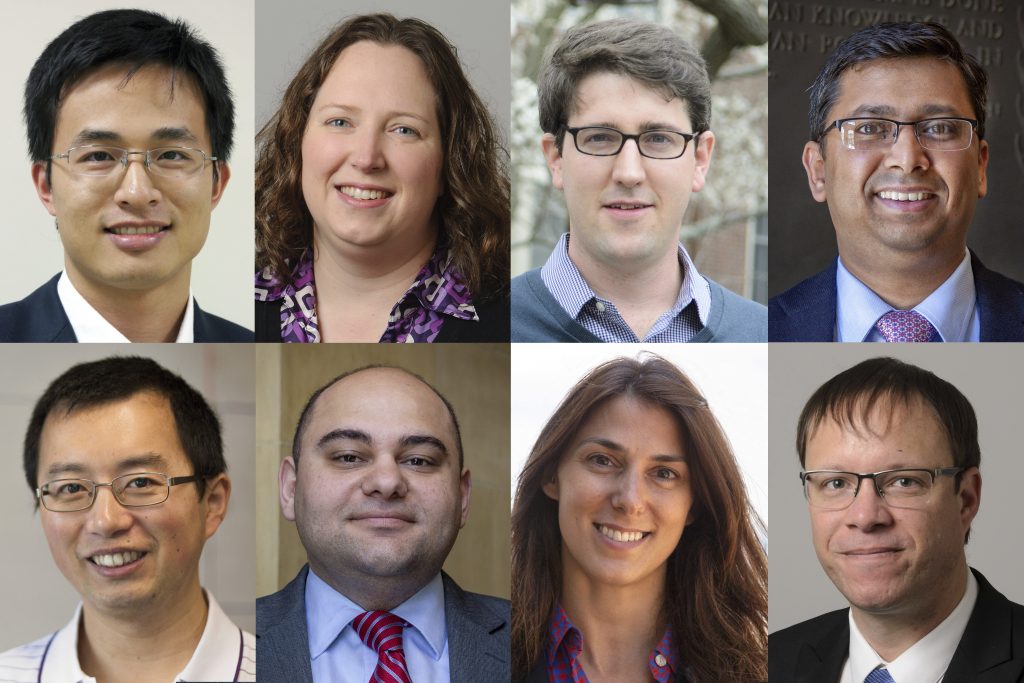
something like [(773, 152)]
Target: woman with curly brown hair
[(382, 196), (634, 552)]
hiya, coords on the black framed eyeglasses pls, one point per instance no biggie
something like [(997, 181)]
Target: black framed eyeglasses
[(901, 488), (138, 489), (601, 141), (946, 134)]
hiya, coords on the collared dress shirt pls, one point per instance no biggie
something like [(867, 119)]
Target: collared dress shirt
[(438, 292), (90, 326), (950, 308), (338, 655), (565, 645), (599, 316), (926, 660), (224, 653)]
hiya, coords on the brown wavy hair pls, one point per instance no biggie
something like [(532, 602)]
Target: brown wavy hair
[(473, 212), (716, 597)]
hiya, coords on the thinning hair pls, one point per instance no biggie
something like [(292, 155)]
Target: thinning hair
[(716, 593)]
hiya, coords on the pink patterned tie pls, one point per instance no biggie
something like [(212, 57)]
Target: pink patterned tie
[(382, 632), (905, 326)]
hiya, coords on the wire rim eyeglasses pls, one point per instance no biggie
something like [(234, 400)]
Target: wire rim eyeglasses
[(108, 160), (944, 134), (908, 487), (138, 489)]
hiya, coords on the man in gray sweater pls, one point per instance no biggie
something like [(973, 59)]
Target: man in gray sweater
[(625, 107)]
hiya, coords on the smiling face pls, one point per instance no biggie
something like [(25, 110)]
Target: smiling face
[(870, 221), (624, 496), (377, 494), (626, 210), (887, 560), (103, 442), (372, 154), (97, 216)]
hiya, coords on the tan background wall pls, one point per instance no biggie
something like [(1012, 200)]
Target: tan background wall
[(474, 377)]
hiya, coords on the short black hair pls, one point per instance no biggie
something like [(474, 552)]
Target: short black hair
[(891, 40), (136, 38), (307, 411), (98, 383)]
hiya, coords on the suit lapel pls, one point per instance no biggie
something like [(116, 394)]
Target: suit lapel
[(1000, 304), (807, 312), (474, 653), (821, 660), (282, 647), (985, 652)]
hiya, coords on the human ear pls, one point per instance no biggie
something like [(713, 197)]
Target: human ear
[(286, 477), (814, 164), (553, 158)]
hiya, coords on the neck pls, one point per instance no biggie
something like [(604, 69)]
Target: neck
[(903, 280), (891, 634), (153, 645), (141, 315), (371, 592)]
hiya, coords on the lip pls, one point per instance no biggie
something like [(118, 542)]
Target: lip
[(140, 241), (600, 528), (115, 572), (636, 208), (906, 206), (360, 203), (383, 520), (871, 553)]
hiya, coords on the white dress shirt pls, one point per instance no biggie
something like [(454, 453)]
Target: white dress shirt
[(926, 660), (224, 653), (950, 308), (90, 326), (338, 655)]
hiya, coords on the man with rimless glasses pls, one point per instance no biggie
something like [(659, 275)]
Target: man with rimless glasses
[(898, 152), (130, 123), (625, 107), (126, 463), (890, 460)]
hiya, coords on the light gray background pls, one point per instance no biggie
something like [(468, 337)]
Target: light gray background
[(222, 273), (31, 586), (287, 31), (989, 375)]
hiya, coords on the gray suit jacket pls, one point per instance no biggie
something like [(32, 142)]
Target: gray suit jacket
[(478, 635)]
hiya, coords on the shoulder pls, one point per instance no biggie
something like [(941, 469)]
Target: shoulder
[(806, 311), (735, 319), (489, 608), (538, 317), (22, 664), (286, 602), (810, 630), (492, 309), (39, 317), (211, 328)]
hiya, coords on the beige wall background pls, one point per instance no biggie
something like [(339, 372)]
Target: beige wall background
[(474, 377), (31, 586)]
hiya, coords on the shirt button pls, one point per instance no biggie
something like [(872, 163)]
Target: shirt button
[(660, 660), (599, 306)]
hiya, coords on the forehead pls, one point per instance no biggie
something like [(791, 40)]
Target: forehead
[(621, 100), (99, 438), (386, 403), (905, 87), (645, 424), (155, 97)]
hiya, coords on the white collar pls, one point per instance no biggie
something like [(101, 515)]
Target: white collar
[(926, 660), (90, 326), (217, 657)]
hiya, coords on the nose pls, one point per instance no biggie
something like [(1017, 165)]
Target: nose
[(906, 153), (107, 517), (136, 189), (368, 154), (629, 494), (385, 479), (629, 165), (868, 509)]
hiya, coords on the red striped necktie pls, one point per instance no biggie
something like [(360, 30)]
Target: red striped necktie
[(382, 632)]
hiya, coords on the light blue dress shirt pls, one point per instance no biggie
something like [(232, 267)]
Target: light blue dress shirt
[(950, 309), (339, 656)]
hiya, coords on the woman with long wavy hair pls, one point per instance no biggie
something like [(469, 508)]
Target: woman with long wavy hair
[(634, 551), (382, 196)]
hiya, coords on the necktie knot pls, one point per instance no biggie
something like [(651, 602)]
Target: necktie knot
[(879, 675), (905, 326), (382, 632)]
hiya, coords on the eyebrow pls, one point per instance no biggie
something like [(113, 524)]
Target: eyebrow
[(163, 134), (145, 460), (615, 446), (643, 128), (346, 434), (356, 110), (888, 111)]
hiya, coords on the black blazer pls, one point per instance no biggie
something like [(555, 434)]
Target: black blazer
[(493, 325), (807, 311), (40, 317), (990, 651)]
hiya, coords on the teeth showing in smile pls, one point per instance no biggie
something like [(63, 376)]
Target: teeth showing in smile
[(359, 193), (115, 560), (905, 196), (627, 536), (147, 230)]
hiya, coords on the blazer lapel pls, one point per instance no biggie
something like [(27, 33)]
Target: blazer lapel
[(985, 652), (807, 312), (1000, 302), (282, 643), (475, 654)]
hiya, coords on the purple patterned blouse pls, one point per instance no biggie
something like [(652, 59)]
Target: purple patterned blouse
[(437, 293)]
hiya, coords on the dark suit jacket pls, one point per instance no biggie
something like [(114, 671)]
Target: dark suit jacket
[(990, 651), (807, 311), (40, 317), (478, 635)]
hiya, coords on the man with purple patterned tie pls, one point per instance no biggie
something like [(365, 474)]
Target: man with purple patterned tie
[(898, 152), (890, 460), (378, 492)]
